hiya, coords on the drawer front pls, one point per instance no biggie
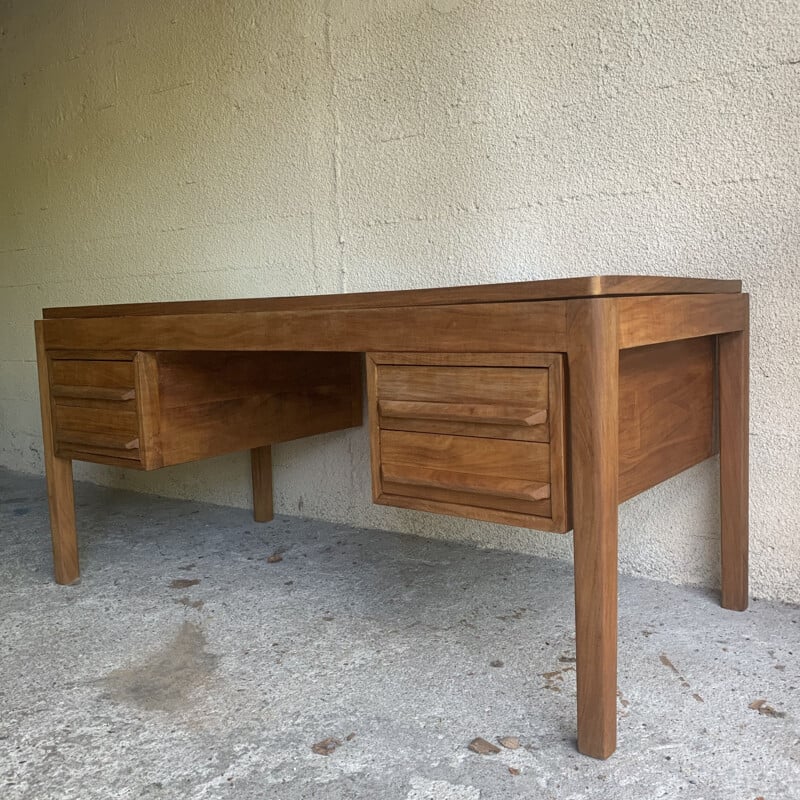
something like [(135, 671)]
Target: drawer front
[(495, 402), (473, 435), (467, 469), (96, 410), (109, 379)]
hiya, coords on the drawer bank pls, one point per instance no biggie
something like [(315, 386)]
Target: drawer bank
[(541, 404)]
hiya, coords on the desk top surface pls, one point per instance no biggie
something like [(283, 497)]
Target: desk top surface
[(557, 289)]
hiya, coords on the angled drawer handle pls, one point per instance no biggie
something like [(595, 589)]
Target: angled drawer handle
[(463, 412), (93, 392), (513, 488)]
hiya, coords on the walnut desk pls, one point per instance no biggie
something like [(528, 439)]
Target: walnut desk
[(541, 404)]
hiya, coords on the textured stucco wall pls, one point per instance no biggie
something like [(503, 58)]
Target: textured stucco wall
[(170, 150)]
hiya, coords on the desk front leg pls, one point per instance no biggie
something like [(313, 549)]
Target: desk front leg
[(594, 412), (60, 493), (734, 387)]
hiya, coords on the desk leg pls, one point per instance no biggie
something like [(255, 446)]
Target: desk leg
[(59, 481), (261, 464), (734, 429), (594, 412)]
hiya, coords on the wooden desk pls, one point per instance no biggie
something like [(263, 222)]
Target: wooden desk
[(541, 404)]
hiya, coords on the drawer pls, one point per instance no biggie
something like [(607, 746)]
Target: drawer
[(96, 378), (475, 435), (153, 409), (96, 409), (498, 402)]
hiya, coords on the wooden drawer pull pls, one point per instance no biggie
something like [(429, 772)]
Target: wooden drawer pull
[(93, 392), (465, 482), (96, 440), (463, 412)]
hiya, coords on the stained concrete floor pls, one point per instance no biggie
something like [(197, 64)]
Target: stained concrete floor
[(186, 665)]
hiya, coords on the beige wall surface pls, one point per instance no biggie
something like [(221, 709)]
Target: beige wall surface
[(175, 149)]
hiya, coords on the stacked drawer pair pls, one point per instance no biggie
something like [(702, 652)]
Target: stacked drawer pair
[(475, 435), (96, 407)]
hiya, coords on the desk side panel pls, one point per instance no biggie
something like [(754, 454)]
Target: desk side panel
[(666, 411)]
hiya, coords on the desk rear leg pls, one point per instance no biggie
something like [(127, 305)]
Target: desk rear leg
[(60, 494), (734, 465), (261, 464)]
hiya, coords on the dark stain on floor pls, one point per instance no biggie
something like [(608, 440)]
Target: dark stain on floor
[(184, 583), (766, 710), (165, 680)]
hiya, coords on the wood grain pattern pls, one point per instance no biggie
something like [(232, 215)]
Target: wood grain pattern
[(666, 411), (459, 395), (109, 423), (261, 468), (594, 406), (209, 377), (559, 288), (203, 430), (734, 402), (495, 386), (106, 374), (212, 409), (650, 320), (58, 471), (498, 328)]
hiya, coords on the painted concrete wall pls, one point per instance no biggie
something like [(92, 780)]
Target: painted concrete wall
[(171, 150)]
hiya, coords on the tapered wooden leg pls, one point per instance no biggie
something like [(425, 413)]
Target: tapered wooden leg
[(594, 409), (261, 461), (59, 481), (734, 431)]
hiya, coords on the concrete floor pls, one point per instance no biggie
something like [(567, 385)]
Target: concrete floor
[(185, 665)]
